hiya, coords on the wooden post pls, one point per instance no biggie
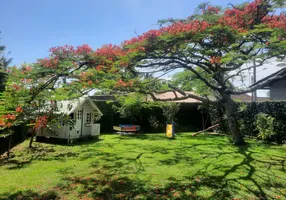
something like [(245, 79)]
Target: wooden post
[(214, 126)]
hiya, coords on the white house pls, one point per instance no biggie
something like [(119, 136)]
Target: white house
[(82, 114)]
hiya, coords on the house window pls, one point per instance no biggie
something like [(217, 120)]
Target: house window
[(79, 114), (88, 118), (72, 116)]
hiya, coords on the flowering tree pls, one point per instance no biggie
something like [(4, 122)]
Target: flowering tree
[(67, 73), (213, 44)]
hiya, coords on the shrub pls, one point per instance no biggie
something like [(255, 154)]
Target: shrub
[(265, 126), (246, 116), (170, 109)]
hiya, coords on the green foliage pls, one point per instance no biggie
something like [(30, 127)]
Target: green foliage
[(187, 81), (170, 109), (279, 3), (4, 62), (130, 106), (265, 126), (217, 116), (248, 115)]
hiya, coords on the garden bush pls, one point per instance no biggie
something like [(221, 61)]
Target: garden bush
[(247, 115), (265, 126)]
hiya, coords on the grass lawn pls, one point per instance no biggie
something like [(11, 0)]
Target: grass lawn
[(145, 167)]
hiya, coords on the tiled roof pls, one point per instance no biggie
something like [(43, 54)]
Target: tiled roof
[(67, 107), (173, 95)]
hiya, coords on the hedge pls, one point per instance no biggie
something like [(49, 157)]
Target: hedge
[(246, 116), (18, 136), (151, 120)]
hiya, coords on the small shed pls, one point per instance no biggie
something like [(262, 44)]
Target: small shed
[(83, 115)]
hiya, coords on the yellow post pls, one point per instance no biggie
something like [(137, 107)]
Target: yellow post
[(169, 131)]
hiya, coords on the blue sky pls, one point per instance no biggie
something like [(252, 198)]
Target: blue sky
[(30, 27)]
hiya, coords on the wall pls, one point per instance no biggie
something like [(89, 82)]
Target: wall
[(278, 90)]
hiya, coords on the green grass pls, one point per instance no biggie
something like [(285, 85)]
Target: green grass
[(145, 167)]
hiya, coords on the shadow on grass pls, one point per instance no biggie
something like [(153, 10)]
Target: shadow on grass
[(41, 152), (250, 171), (63, 142), (29, 194), (34, 154), (259, 184), (109, 186)]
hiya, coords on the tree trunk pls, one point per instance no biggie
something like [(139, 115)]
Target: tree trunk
[(9, 145), (230, 111), (32, 138)]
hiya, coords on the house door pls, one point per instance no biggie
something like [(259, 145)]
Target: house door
[(86, 121), (78, 122)]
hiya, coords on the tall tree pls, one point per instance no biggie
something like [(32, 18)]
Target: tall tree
[(4, 62), (69, 72), (215, 45)]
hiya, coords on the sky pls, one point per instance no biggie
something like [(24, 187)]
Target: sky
[(30, 28)]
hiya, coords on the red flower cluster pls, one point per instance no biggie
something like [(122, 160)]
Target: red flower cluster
[(50, 62), (19, 109), (149, 34), (213, 9), (26, 69), (89, 82), (99, 67), (179, 27), (122, 83), (215, 60), (86, 75), (16, 87), (67, 49), (175, 28), (9, 117), (242, 19), (2, 123), (62, 49), (110, 52), (41, 122), (83, 50), (7, 120), (275, 21)]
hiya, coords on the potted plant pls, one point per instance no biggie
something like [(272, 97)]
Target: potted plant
[(170, 109)]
